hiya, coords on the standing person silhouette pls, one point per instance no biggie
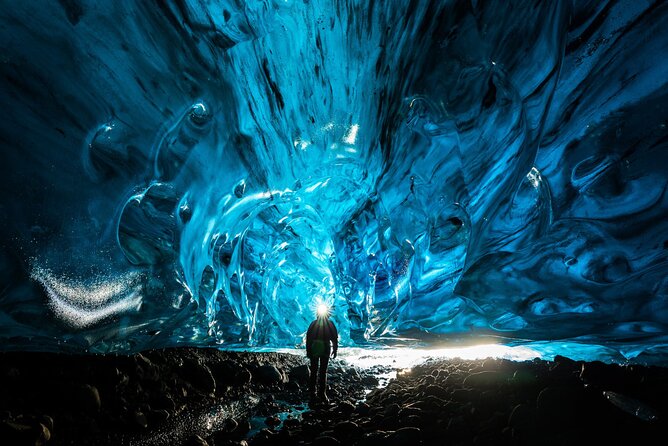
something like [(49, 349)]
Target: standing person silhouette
[(320, 334)]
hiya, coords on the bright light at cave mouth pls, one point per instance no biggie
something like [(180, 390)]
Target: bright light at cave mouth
[(405, 358)]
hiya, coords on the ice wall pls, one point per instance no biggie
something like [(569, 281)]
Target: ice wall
[(200, 172)]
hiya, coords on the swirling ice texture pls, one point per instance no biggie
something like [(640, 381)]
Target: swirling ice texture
[(206, 173)]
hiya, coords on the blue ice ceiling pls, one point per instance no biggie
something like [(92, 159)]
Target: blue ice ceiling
[(204, 172)]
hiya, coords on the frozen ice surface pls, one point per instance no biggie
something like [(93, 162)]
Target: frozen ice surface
[(206, 173)]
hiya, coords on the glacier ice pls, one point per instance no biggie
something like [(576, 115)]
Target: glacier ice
[(206, 173)]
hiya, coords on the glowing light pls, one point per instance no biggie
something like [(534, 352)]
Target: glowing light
[(406, 358), (322, 309)]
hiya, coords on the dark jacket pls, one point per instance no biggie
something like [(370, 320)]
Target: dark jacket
[(320, 334)]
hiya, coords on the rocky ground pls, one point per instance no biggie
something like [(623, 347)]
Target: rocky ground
[(186, 396)]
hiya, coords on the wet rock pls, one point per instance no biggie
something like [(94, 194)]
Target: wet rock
[(411, 421), (243, 427), (47, 421), (243, 376), (346, 407), (345, 429), (375, 438), (87, 398), (409, 410), (353, 374), (458, 426), (162, 401), (523, 377), (522, 417), (265, 436), (560, 404), (139, 420), (18, 433), (486, 379), (268, 374), (370, 380), (464, 395), (158, 416), (291, 423), (199, 376), (405, 436), (392, 410), (224, 436), (195, 440), (300, 373), (326, 441), (363, 409), (436, 390), (272, 421)]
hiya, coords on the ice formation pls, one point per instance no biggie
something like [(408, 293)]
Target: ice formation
[(207, 173)]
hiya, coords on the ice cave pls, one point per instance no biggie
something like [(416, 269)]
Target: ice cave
[(205, 173), (470, 195)]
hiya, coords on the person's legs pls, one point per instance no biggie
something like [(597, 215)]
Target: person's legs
[(322, 377), (313, 377)]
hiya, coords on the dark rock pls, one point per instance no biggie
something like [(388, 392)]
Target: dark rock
[(362, 409), (488, 378), (409, 410), (18, 433), (458, 426), (464, 395), (345, 429), (411, 421), (392, 410), (87, 398), (224, 435), (346, 407), (195, 440), (560, 404), (268, 374), (272, 421), (243, 427), (353, 374), (162, 401), (370, 380), (139, 419), (523, 377), (224, 372), (199, 376), (300, 373), (436, 390), (158, 416), (47, 421), (375, 438), (243, 376), (230, 425), (522, 417), (404, 436), (291, 423), (265, 436), (43, 434), (565, 360), (326, 441)]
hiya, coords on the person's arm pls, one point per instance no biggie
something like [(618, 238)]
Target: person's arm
[(335, 339), (309, 340)]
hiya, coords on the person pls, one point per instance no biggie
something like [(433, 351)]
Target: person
[(320, 334)]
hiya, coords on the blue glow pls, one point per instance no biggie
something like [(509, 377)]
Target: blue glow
[(207, 173)]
